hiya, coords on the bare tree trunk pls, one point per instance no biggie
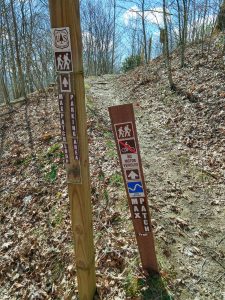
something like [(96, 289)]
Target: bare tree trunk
[(18, 60), (203, 26), (166, 49), (4, 90), (184, 32), (182, 23), (220, 26), (144, 30), (150, 48), (11, 59), (114, 35)]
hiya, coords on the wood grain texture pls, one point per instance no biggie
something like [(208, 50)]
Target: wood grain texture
[(65, 13), (125, 114)]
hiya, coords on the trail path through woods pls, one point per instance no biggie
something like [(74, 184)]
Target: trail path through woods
[(182, 148), (186, 199)]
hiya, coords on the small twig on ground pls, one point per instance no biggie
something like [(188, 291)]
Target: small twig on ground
[(220, 241)]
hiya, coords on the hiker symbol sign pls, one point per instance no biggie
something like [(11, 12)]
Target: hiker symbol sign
[(124, 130), (62, 48), (63, 61)]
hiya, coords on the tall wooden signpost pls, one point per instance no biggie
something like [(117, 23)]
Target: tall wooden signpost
[(67, 45), (125, 133)]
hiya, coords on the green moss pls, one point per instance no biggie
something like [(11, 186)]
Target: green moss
[(116, 180), (57, 217), (54, 151), (52, 175), (111, 154), (132, 286), (154, 287), (23, 161)]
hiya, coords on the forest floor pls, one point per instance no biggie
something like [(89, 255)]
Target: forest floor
[(181, 137)]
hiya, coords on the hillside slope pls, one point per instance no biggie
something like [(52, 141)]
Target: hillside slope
[(182, 146), (199, 115), (182, 137)]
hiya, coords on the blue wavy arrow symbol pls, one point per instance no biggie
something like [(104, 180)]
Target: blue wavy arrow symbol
[(135, 187)]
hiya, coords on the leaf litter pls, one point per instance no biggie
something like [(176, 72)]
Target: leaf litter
[(182, 147)]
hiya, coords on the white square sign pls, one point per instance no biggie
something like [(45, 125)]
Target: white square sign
[(61, 39), (130, 161), (65, 84)]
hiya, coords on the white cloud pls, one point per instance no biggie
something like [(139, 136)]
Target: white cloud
[(89, 40), (130, 14), (154, 17)]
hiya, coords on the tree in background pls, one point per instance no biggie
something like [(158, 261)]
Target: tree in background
[(99, 36), (139, 14), (165, 38), (26, 59), (220, 24), (131, 62), (26, 51), (183, 12)]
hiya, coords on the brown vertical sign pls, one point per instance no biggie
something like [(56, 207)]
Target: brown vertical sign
[(61, 41), (125, 133)]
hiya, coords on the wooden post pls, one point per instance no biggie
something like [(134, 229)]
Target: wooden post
[(125, 133), (65, 21)]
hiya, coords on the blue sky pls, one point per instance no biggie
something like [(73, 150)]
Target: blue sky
[(154, 17), (129, 15)]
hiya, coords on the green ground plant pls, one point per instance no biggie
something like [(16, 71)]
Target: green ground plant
[(116, 180)]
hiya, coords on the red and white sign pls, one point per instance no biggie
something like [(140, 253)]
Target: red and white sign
[(127, 146)]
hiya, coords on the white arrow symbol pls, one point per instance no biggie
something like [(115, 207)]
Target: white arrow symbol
[(133, 175), (65, 82)]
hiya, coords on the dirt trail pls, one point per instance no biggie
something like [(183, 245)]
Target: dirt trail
[(187, 204)]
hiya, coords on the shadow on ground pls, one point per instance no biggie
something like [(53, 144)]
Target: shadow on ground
[(154, 288)]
